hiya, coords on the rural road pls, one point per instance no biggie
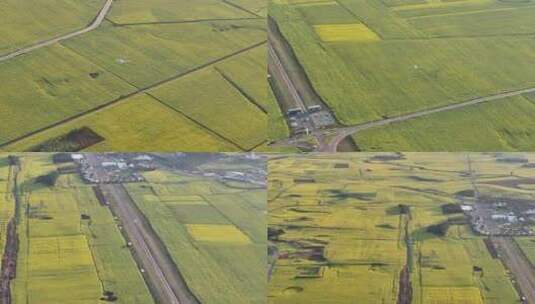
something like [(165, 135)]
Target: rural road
[(515, 260), (164, 280), (328, 139), (93, 25), (341, 133)]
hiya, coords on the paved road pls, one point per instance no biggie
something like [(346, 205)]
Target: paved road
[(338, 134), (281, 71), (164, 279), (96, 23), (515, 260)]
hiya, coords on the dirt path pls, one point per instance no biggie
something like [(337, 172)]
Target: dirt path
[(339, 134), (96, 23), (161, 273), (405, 289), (472, 176), (514, 259)]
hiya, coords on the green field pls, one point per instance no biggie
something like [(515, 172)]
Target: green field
[(371, 60), (25, 22), (336, 221), (152, 46), (74, 248), (207, 226), (484, 127), (63, 258), (58, 86), (167, 10), (149, 121)]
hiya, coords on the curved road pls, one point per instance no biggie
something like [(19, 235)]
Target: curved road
[(96, 23)]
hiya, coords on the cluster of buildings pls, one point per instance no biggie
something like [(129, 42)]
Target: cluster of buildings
[(113, 168), (495, 216)]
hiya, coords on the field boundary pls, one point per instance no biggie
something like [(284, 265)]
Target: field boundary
[(236, 6), (240, 90), (123, 97), (203, 126), (182, 21)]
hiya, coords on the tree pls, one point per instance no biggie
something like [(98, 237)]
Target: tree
[(49, 179)]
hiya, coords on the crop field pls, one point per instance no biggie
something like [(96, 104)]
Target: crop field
[(484, 127), (395, 222), (149, 121), (62, 256), (207, 225), (371, 60), (278, 128), (210, 57), (67, 239), (25, 22), (168, 10), (244, 125)]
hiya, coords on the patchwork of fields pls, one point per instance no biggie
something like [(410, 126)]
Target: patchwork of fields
[(372, 60), (378, 228), (207, 226), (188, 80), (76, 245), (64, 257)]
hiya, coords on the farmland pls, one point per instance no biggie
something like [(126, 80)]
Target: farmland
[(77, 222), (373, 60), (24, 22), (207, 227), (184, 63), (483, 128), (416, 227), (61, 256)]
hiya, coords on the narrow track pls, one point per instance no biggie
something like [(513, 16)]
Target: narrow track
[(92, 26)]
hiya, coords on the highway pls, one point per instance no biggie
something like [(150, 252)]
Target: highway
[(515, 260), (164, 280), (92, 26), (281, 71)]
